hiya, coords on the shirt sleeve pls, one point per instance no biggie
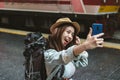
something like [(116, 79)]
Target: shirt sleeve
[(64, 56), (81, 60)]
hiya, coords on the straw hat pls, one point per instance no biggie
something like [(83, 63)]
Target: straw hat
[(65, 20)]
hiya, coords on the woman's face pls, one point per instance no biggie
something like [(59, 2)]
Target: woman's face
[(67, 35)]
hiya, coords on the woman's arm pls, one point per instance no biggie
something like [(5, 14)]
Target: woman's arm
[(59, 57)]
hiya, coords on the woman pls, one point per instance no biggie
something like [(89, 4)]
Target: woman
[(64, 48)]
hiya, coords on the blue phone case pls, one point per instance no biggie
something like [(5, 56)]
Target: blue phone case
[(97, 28)]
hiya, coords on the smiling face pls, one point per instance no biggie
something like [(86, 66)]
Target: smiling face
[(67, 35), (62, 37)]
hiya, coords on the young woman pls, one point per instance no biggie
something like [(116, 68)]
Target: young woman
[(64, 48)]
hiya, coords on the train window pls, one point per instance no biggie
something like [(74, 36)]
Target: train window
[(4, 20)]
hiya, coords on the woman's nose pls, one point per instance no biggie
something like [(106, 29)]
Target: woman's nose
[(70, 36)]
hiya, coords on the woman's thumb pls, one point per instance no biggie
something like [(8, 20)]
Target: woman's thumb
[(90, 32)]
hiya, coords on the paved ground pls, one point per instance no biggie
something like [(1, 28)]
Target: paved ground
[(11, 58), (104, 63)]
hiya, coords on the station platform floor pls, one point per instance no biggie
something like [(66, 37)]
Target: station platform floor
[(104, 63)]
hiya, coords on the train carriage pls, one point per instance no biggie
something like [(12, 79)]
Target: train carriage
[(40, 14)]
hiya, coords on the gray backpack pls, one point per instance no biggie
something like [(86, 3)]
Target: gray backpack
[(35, 45)]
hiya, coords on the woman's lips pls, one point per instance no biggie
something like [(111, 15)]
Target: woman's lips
[(65, 42)]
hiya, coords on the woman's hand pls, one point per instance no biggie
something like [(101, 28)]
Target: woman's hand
[(93, 41), (90, 43), (77, 42)]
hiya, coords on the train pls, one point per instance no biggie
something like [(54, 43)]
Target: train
[(39, 15)]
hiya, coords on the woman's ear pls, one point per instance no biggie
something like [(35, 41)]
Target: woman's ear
[(55, 30)]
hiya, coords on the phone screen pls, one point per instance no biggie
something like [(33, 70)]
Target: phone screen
[(97, 28)]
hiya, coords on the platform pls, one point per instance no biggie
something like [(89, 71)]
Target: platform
[(104, 63)]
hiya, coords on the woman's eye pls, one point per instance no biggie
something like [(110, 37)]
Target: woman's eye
[(72, 34), (69, 32)]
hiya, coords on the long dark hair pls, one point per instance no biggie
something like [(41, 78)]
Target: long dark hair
[(54, 40)]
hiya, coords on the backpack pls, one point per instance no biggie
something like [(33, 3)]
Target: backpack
[(35, 45)]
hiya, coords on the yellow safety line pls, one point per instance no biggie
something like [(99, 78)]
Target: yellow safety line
[(18, 32), (112, 45), (13, 31), (21, 32)]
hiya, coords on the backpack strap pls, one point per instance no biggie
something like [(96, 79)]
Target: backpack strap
[(50, 77)]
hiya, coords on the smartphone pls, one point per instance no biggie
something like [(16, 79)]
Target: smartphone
[(97, 28)]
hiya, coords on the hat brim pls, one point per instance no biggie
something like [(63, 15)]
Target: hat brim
[(75, 25)]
